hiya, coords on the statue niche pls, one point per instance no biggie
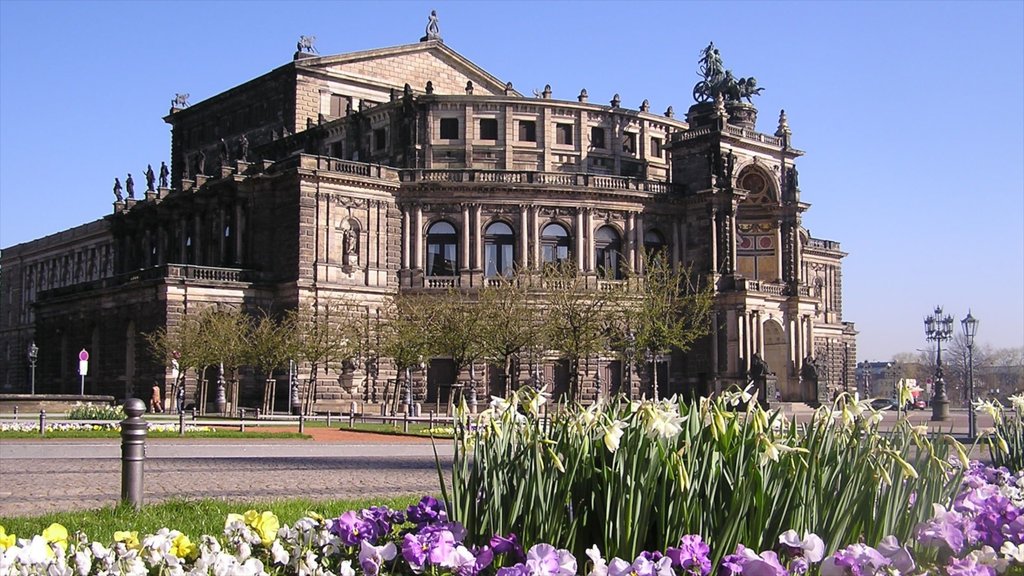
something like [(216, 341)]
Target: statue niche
[(349, 230)]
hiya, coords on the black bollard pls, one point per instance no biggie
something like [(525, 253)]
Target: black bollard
[(133, 451), (181, 422), (42, 422), (302, 421), (15, 413), (193, 413), (241, 420)]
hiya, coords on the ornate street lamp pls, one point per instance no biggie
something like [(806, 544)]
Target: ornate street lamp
[(939, 327), (293, 387), (33, 355), (970, 326)]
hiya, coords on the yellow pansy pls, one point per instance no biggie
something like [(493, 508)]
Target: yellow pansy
[(6, 540), (182, 547), (266, 525), (250, 517), (130, 539), (56, 534)]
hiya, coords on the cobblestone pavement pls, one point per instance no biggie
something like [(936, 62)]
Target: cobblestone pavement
[(52, 476)]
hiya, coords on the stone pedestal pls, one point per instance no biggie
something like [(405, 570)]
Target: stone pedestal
[(162, 192), (151, 195)]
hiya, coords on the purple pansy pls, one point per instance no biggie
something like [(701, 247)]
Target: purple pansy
[(546, 560), (692, 555)]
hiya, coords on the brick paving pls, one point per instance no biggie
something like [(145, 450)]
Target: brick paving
[(40, 476)]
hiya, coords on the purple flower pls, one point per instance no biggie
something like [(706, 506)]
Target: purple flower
[(854, 560), (508, 545), (517, 570), (968, 567), (943, 529), (414, 551), (427, 511), (352, 529), (691, 555), (372, 557), (898, 556), (382, 518), (546, 560), (747, 562)]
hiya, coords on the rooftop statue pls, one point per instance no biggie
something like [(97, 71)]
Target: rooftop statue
[(306, 44), (180, 101), (433, 30), (718, 80)]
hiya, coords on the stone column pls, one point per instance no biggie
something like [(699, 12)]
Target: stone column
[(477, 237), (676, 242), (535, 233), (524, 244), (714, 241), (464, 249), (579, 239), (418, 238), (639, 244), (406, 239), (628, 240)]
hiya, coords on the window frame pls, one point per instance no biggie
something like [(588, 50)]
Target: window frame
[(446, 243)]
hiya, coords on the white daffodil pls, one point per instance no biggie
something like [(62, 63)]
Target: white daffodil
[(613, 434), (1017, 402), (661, 423)]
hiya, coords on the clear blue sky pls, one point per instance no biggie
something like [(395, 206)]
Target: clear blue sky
[(911, 113)]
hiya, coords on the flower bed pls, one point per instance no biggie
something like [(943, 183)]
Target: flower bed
[(980, 534)]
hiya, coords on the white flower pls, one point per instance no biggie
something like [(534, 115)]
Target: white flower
[(613, 434), (346, 569), (812, 546), (600, 568), (278, 554), (83, 561), (461, 560), (987, 556), (1014, 552), (661, 423)]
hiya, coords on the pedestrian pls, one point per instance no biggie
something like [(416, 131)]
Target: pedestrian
[(181, 396), (155, 404)]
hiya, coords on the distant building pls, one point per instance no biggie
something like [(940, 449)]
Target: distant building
[(411, 168)]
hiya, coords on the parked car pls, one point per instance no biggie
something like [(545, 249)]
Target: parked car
[(883, 404)]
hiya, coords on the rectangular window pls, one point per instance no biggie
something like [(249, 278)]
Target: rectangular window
[(656, 147), (563, 134), (380, 137), (488, 128), (449, 128), (338, 105), (597, 137), (629, 143), (527, 131)]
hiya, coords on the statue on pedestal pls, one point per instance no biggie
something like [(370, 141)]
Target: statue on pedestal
[(129, 184), (433, 30), (117, 190), (164, 175), (150, 178)]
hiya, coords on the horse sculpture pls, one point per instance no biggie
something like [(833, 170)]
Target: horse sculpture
[(180, 101), (306, 44)]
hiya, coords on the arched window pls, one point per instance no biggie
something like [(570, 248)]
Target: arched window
[(554, 241), (442, 250), (498, 250), (654, 243), (608, 248)]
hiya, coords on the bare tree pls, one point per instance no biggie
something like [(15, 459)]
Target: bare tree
[(577, 317), (271, 343), (511, 322), (405, 335), (325, 336), (666, 309)]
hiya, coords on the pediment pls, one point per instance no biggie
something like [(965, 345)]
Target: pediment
[(412, 64)]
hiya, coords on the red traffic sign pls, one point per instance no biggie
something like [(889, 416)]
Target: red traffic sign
[(83, 356)]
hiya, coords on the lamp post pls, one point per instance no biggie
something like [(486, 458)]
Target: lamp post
[(33, 355), (939, 327), (970, 327)]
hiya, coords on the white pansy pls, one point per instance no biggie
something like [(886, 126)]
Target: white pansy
[(599, 566)]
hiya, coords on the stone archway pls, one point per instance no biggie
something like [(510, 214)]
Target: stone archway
[(776, 354)]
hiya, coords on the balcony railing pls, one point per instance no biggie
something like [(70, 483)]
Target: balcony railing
[(441, 282), (598, 181)]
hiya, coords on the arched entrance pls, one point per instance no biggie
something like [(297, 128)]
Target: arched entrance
[(777, 357)]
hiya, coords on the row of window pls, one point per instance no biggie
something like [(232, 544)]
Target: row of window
[(499, 248), (527, 132)]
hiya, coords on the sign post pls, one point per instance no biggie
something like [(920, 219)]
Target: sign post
[(83, 368)]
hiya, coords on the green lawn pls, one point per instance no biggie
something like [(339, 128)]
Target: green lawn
[(192, 517)]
